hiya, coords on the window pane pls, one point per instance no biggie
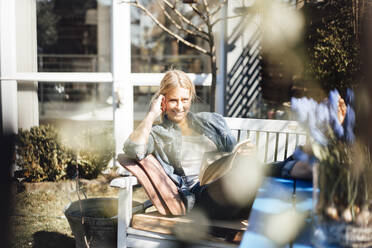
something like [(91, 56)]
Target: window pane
[(73, 35), (75, 101), (154, 50)]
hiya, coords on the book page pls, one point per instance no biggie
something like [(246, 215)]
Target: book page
[(216, 164)]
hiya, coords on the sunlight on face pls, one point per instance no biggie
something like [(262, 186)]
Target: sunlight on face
[(177, 104)]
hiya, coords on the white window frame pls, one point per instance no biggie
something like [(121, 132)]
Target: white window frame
[(121, 77)]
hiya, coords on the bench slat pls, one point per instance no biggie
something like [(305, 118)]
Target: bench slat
[(139, 238), (264, 125), (165, 224), (275, 140)]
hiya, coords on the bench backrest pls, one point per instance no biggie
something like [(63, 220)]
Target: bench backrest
[(275, 139)]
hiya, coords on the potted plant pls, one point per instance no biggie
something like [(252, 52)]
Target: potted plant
[(342, 175)]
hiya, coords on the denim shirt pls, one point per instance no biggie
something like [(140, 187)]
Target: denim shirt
[(165, 143)]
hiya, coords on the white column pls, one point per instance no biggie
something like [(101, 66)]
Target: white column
[(221, 63), (121, 68), (8, 89), (26, 45)]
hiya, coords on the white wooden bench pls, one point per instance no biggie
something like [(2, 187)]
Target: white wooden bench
[(275, 141)]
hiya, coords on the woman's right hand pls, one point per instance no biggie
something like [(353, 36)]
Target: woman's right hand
[(157, 106), (141, 134)]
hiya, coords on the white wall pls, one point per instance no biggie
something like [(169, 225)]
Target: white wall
[(239, 32)]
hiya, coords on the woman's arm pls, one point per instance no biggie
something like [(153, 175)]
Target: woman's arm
[(141, 134), (137, 145)]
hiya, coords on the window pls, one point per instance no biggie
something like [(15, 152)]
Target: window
[(73, 36)]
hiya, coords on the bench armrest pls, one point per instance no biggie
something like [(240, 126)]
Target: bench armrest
[(123, 182)]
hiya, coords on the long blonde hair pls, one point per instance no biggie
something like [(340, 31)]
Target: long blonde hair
[(173, 79)]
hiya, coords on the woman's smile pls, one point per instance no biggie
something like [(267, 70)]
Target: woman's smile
[(177, 104)]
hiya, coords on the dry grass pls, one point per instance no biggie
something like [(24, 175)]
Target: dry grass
[(38, 220)]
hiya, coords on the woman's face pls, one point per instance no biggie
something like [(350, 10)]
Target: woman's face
[(177, 104)]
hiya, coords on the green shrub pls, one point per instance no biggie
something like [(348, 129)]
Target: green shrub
[(94, 149), (40, 155)]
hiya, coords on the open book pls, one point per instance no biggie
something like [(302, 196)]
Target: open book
[(217, 164)]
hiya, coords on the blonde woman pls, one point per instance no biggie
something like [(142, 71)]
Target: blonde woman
[(180, 140)]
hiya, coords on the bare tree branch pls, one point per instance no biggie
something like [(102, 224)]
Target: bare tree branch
[(198, 13), (209, 26), (179, 26), (179, 38), (226, 18), (206, 6), (187, 21), (218, 8)]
